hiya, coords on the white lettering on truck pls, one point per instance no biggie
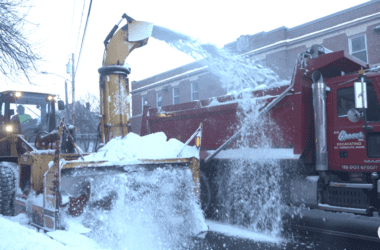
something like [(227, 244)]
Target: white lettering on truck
[(343, 136)]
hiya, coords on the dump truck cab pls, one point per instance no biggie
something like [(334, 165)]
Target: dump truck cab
[(26, 113)]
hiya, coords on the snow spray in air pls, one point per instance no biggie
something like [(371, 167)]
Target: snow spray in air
[(249, 186), (150, 210), (232, 71), (249, 189)]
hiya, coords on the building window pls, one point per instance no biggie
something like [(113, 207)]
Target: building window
[(261, 63), (175, 95), (358, 47), (194, 91), (159, 99), (144, 101)]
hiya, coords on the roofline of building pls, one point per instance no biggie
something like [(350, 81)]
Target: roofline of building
[(333, 15), (311, 22), (288, 42)]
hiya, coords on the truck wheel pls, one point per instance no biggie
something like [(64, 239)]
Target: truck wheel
[(205, 193), (7, 190)]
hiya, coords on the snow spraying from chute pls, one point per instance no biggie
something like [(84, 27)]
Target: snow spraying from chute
[(249, 190), (234, 72)]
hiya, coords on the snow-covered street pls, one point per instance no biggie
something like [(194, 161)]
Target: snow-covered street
[(16, 234)]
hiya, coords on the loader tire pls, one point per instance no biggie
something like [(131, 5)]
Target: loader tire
[(7, 190), (205, 193)]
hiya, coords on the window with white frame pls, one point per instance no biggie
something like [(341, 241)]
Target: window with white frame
[(194, 91), (159, 99), (175, 95), (144, 101), (358, 47)]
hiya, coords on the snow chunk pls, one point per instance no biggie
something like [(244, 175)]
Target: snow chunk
[(72, 239), (135, 147), (72, 224), (22, 219)]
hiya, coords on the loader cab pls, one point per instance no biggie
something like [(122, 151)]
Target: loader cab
[(27, 113)]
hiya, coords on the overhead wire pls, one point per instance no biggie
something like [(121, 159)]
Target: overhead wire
[(84, 35), (80, 26), (72, 21)]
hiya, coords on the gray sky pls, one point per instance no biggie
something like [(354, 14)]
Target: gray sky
[(218, 22)]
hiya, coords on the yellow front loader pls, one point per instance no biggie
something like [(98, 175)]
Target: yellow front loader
[(52, 185)]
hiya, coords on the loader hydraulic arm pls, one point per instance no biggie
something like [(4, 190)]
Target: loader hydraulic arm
[(115, 107)]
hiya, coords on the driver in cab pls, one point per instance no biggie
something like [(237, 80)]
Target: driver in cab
[(20, 118), (21, 114)]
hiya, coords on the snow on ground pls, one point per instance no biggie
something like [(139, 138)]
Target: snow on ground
[(135, 147), (15, 235)]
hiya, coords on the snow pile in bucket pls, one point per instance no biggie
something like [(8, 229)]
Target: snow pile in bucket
[(135, 147)]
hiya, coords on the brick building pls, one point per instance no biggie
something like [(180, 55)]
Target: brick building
[(355, 30)]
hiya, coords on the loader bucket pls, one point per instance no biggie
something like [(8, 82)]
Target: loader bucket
[(70, 184)]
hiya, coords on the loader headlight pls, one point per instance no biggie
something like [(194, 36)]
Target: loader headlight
[(18, 94), (9, 128), (50, 98)]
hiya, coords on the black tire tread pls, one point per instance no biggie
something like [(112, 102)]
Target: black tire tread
[(7, 190)]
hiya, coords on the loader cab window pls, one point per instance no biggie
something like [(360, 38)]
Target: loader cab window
[(2, 114), (346, 101), (34, 112)]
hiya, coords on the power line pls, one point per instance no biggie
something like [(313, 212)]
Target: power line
[(80, 25), (84, 35), (72, 21)]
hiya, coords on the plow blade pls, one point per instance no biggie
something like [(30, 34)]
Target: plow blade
[(93, 169)]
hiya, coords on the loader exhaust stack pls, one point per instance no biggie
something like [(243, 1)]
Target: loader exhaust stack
[(319, 104)]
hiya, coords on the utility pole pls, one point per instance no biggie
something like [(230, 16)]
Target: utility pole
[(73, 86), (67, 102)]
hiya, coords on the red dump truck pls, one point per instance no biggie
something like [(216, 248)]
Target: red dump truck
[(324, 127)]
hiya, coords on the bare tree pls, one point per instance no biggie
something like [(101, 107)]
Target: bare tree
[(17, 53), (91, 100), (87, 121)]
